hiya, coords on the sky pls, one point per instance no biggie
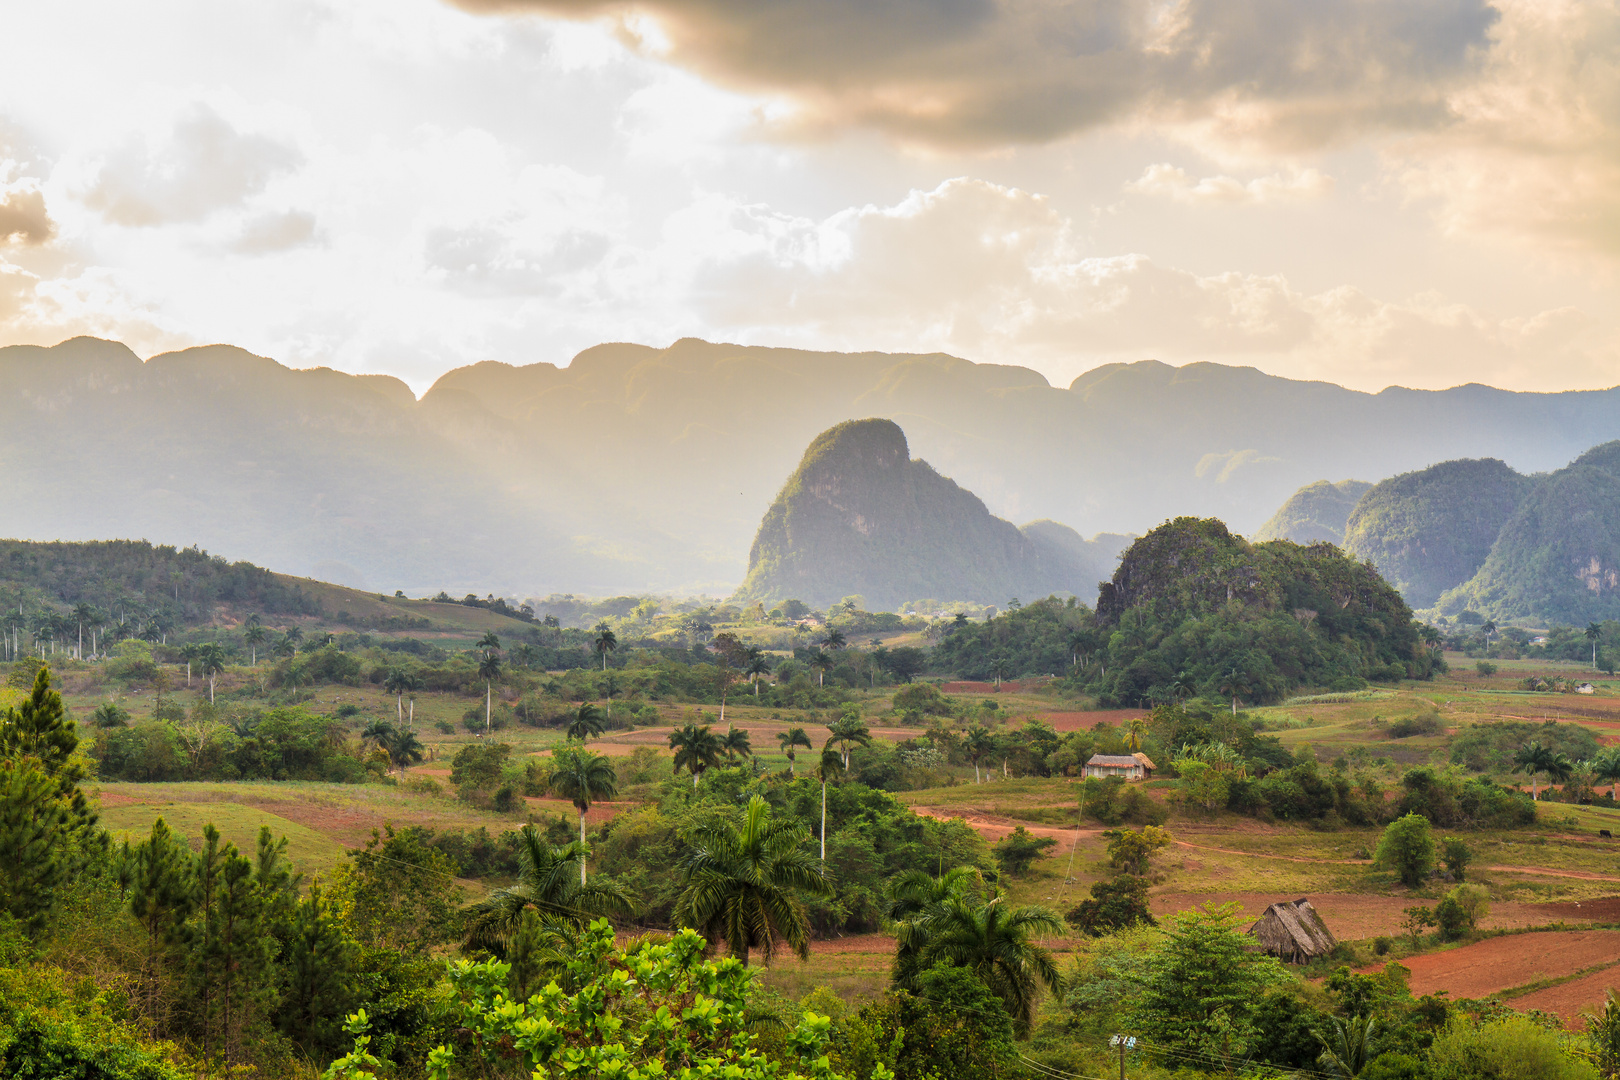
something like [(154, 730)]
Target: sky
[(1371, 192)]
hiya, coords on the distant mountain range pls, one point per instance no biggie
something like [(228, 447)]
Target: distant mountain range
[(637, 469)]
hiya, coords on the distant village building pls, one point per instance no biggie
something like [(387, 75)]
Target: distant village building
[(1586, 688), (1293, 932), (1130, 766)]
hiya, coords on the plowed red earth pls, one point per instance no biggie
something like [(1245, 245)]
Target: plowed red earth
[(1354, 916), (1085, 721), (1489, 967), (1570, 1000)]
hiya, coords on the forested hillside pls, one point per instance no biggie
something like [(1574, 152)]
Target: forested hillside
[(1316, 512), (860, 516), (1430, 530)]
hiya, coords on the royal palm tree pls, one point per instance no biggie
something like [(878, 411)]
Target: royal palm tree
[(793, 737), (188, 653), (524, 654), (822, 661), (1136, 732), (1593, 633), (997, 942), (1000, 668), (490, 642), (1234, 684), (976, 743), (696, 748), (255, 635), (848, 732), (1534, 758), (736, 744), (755, 664), (1348, 1046), (606, 641), (396, 681), (916, 899), (743, 885), (377, 732), (586, 724), (489, 669), (828, 767), (84, 613), (582, 777), (834, 640), (212, 659), (546, 885), (1606, 769), (1182, 687)]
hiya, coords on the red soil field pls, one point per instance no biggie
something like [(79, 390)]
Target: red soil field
[(1354, 916), (1489, 967), (1084, 721), (1573, 998)]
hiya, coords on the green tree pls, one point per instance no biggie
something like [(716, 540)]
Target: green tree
[(403, 748), (605, 642), (828, 767), (1603, 1032), (319, 965), (822, 661), (755, 664), (736, 744), (255, 635), (1234, 684), (547, 885), (586, 723), (212, 659), (795, 737), (489, 669), (396, 681), (1017, 851), (1130, 852), (976, 744), (1455, 856), (582, 778), (1349, 1045), (1512, 1048), (1534, 758), (161, 897), (848, 732), (743, 885), (1114, 906), (1201, 986), (1407, 848), (1606, 769), (916, 899), (696, 748), (998, 942), (1594, 632)]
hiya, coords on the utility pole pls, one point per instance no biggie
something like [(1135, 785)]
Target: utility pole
[(1124, 1042)]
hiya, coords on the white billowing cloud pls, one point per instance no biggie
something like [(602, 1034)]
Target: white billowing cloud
[(275, 231), (1174, 183), (23, 219), (204, 165), (1533, 151), (996, 273)]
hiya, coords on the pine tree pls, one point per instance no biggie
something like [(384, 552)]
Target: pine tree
[(318, 961), (162, 896)]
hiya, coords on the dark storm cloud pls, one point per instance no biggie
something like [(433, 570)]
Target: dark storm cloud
[(984, 73)]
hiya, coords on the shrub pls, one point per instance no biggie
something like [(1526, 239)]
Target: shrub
[(1019, 849), (1424, 724), (1456, 857), (1514, 1048), (1485, 668), (1114, 905)]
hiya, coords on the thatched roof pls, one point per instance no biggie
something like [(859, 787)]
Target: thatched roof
[(1293, 932), (1146, 761), (1118, 761)]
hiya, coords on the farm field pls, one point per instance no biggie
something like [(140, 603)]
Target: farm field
[(1558, 873)]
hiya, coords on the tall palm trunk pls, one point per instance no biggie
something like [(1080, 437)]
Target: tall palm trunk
[(211, 675), (582, 844), (488, 699), (413, 712), (824, 823), (399, 706)]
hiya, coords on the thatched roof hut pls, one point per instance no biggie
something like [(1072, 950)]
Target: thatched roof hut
[(1293, 932)]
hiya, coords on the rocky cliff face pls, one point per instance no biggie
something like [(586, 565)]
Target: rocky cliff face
[(859, 516)]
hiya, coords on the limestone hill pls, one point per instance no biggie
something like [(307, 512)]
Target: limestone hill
[(861, 516), (1315, 513)]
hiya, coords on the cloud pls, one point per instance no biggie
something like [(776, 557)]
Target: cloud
[(23, 219), (269, 233), (979, 73), (1168, 181), (205, 165), (995, 273)]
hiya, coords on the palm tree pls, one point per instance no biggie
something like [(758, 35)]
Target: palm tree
[(489, 669), (915, 900), (1000, 668), (978, 742), (83, 613), (997, 942), (1489, 628), (848, 732), (582, 777), (1135, 732), (742, 885), (791, 738), (754, 665), (212, 659), (822, 661), (1182, 687), (696, 748), (546, 885), (255, 636), (828, 767), (396, 681), (1534, 758), (1350, 1046), (1593, 633), (490, 642), (835, 639), (378, 732), (188, 653), (403, 748), (605, 641), (1606, 769), (586, 724), (1234, 684), (524, 654), (736, 744)]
